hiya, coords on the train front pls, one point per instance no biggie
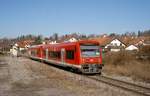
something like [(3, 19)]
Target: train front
[(91, 57)]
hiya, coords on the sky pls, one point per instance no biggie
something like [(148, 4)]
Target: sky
[(46, 17)]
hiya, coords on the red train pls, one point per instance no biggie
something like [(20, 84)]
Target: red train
[(85, 56)]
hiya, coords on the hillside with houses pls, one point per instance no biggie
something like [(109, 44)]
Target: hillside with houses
[(109, 42), (129, 41), (122, 43)]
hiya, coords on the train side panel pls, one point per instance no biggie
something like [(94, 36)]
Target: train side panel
[(75, 55)]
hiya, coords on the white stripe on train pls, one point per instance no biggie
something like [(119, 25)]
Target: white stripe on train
[(57, 62)]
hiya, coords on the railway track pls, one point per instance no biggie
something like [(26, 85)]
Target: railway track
[(144, 91)]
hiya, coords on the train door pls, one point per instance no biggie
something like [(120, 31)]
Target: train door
[(47, 54), (63, 55), (70, 56)]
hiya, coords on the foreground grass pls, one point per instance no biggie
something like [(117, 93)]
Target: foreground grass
[(126, 64)]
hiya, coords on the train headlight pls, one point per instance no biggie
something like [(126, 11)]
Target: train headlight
[(91, 60), (83, 60)]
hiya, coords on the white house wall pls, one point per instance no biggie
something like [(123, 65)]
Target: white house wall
[(72, 40), (13, 52), (115, 42), (131, 47), (114, 50)]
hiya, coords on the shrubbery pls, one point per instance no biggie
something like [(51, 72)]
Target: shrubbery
[(119, 58), (126, 63), (144, 53)]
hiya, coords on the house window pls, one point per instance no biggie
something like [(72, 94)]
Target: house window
[(70, 54)]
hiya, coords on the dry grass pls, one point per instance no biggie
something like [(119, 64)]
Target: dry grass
[(126, 64)]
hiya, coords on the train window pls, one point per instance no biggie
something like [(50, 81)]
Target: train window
[(57, 54), (53, 54), (90, 50), (70, 54), (44, 52), (33, 52), (38, 52), (50, 54)]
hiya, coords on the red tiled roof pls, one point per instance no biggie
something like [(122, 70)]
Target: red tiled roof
[(126, 40), (22, 44), (103, 40)]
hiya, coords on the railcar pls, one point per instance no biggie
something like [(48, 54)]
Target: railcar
[(36, 52), (84, 56)]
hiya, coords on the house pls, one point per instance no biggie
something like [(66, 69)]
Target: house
[(115, 45), (72, 39), (110, 43), (115, 42), (20, 47), (53, 42), (102, 40), (131, 48), (14, 50), (140, 43), (23, 45)]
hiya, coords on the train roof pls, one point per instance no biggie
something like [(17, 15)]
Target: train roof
[(36, 46), (66, 43), (73, 43)]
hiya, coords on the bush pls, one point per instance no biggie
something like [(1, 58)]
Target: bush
[(125, 63), (118, 58), (144, 53)]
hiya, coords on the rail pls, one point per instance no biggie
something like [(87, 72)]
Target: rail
[(142, 90)]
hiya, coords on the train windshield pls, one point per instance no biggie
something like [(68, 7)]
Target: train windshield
[(90, 50)]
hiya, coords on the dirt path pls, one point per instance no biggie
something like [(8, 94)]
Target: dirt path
[(25, 77)]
